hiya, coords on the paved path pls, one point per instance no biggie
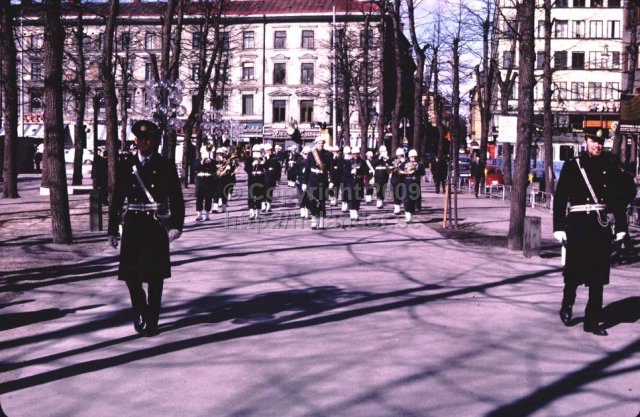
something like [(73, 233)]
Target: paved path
[(378, 319)]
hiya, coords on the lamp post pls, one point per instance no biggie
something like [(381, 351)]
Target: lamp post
[(373, 116), (163, 100), (404, 124)]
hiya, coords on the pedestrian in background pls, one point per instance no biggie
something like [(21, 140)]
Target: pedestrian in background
[(439, 173)]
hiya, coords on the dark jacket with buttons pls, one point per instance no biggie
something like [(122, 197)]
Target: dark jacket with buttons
[(589, 234), (144, 253)]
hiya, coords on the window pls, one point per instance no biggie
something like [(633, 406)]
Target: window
[(615, 60), (366, 38), (150, 40), (509, 29), (611, 91), (539, 60), (36, 41), (579, 27), (306, 76), (148, 71), (86, 43), (307, 39), (596, 3), (560, 91), (248, 39), (578, 3), (339, 37), (595, 28), (540, 29), (196, 40), (224, 38), (279, 73), (577, 60), (614, 3), (369, 74), (306, 111), (247, 104), (561, 29), (36, 71), (279, 39), (279, 111), (126, 40), (195, 72), (507, 59), (35, 100), (127, 100), (512, 92), (562, 3), (247, 71), (595, 59), (560, 60), (595, 91), (613, 29), (577, 91)]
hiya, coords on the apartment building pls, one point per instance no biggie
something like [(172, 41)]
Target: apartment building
[(587, 52), (278, 71)]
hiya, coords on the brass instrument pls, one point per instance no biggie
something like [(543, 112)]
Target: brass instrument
[(395, 167), (410, 168), (237, 153)]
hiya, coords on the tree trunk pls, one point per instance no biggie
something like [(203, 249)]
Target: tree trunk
[(455, 93), (397, 108), (53, 123), (81, 96), (420, 56), (382, 117), (548, 114), (10, 88), (109, 90), (525, 13)]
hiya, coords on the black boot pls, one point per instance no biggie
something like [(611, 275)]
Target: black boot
[(596, 329), (565, 314), (139, 324)]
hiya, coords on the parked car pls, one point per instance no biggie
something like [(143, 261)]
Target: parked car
[(633, 213), (464, 165), (87, 156), (494, 176)]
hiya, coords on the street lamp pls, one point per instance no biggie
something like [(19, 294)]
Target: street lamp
[(373, 116), (163, 100), (404, 124)]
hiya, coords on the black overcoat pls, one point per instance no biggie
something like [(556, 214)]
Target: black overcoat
[(589, 235), (144, 252)]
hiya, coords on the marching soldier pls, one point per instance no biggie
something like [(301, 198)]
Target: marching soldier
[(226, 178), (205, 170), (271, 178), (334, 175), (343, 162), (369, 179), (591, 185), (411, 172), (382, 166), (255, 167), (354, 173), (154, 204), (316, 181), (397, 181), (298, 170), (291, 159)]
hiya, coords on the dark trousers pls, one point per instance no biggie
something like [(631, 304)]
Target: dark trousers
[(146, 306), (204, 194), (438, 183), (593, 311), (317, 207)]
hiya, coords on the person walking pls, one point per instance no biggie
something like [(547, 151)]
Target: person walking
[(439, 173), (590, 186), (382, 165), (255, 167), (353, 176), (316, 181), (478, 174), (205, 170), (154, 217), (411, 171)]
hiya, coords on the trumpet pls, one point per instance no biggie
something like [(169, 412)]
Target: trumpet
[(410, 168)]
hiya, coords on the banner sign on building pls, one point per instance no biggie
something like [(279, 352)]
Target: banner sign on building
[(630, 114), (507, 129)]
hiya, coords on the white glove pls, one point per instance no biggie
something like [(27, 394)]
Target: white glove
[(255, 163), (304, 187), (620, 236), (228, 168), (113, 241), (330, 185), (560, 236), (174, 234), (353, 171)]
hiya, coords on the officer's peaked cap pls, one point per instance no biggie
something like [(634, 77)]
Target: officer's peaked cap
[(144, 129)]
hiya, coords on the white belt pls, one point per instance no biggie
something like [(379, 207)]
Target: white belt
[(587, 208), (203, 174), (382, 168), (317, 171), (143, 207), (257, 172)]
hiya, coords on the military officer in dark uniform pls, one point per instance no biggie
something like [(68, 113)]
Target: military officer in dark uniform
[(397, 181), (271, 176), (154, 204), (298, 170), (205, 170), (354, 173), (590, 185), (316, 181)]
